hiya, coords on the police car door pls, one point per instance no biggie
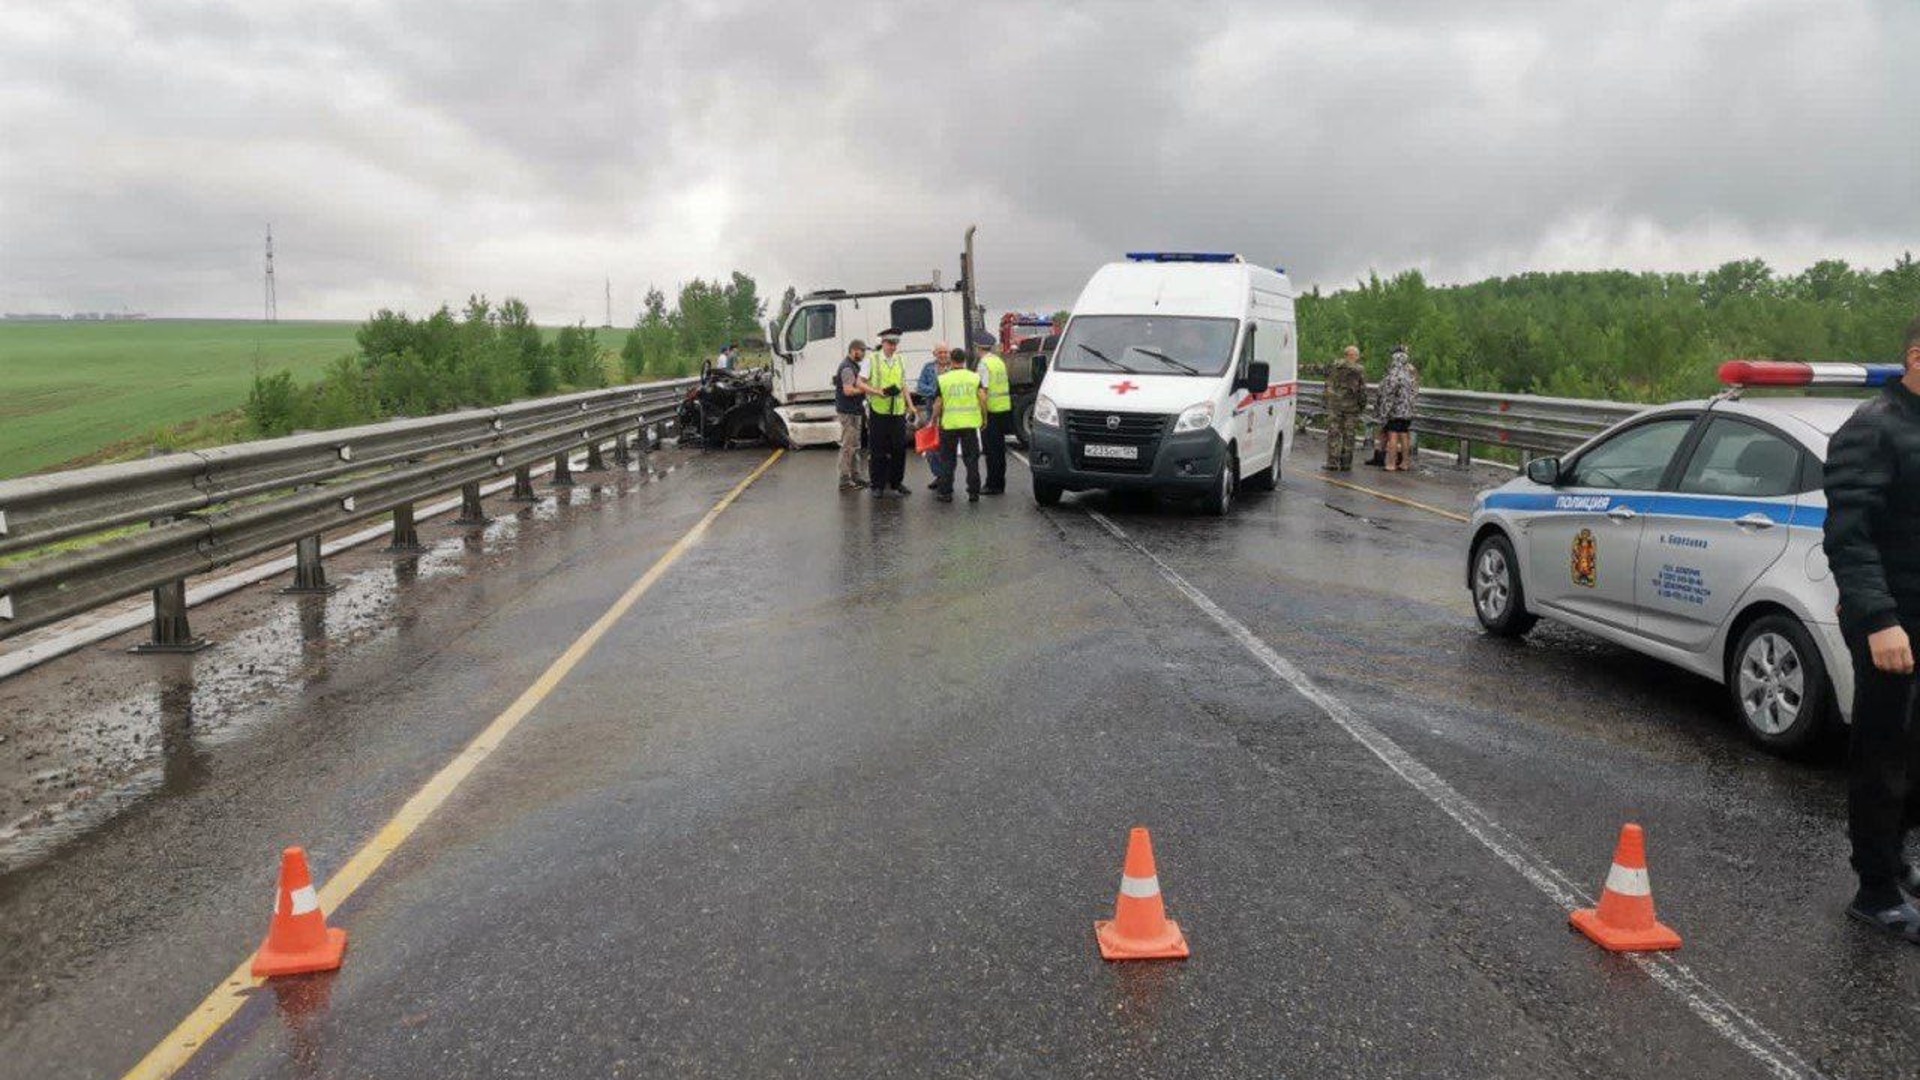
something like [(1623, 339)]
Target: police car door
[(1583, 539), (1724, 524)]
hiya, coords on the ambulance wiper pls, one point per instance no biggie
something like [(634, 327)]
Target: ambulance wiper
[(1171, 362), (1107, 360)]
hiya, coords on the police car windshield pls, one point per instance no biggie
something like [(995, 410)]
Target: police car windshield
[(1155, 344)]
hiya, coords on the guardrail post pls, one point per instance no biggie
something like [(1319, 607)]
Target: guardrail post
[(621, 455), (523, 486), (1463, 455), (594, 462), (171, 633), (406, 538), (563, 469), (309, 575), (472, 512)]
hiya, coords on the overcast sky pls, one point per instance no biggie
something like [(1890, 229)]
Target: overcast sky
[(409, 153)]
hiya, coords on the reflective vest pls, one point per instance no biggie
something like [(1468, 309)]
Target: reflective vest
[(959, 400), (888, 373), (999, 391)]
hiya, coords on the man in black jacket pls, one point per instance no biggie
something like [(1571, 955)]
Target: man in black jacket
[(1873, 544)]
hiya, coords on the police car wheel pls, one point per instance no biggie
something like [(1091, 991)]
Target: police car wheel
[(1046, 494), (1499, 600), (1779, 684)]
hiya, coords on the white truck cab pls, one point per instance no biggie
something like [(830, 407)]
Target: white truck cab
[(809, 348), (1177, 372)]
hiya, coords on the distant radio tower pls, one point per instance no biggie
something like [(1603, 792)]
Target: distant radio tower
[(273, 300), (609, 323)]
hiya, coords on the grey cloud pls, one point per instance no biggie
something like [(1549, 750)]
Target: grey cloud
[(411, 153)]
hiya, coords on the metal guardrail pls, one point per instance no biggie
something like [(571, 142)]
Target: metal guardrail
[(207, 509), (1532, 425)]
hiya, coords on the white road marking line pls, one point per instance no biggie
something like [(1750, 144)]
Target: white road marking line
[(1726, 1018)]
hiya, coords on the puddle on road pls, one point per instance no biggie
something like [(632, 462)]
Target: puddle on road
[(87, 737), (157, 738)]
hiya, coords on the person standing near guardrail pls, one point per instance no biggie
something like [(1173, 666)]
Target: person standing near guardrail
[(1399, 389), (1346, 390), (849, 390), (888, 400), (1872, 543)]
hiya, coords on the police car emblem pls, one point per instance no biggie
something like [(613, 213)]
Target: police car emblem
[(1586, 559)]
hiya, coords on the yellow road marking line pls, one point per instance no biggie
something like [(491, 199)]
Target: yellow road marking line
[(179, 1046), (1351, 486)]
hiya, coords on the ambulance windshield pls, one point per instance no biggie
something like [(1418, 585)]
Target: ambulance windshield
[(1147, 345)]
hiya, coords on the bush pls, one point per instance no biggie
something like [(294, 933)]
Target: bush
[(272, 407)]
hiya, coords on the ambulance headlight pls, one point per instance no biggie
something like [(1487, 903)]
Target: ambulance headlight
[(1044, 411), (1196, 418)]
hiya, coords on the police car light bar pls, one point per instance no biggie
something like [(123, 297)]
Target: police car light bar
[(1183, 256), (1791, 373)]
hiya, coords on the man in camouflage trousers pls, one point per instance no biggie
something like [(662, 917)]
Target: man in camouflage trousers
[(1346, 399)]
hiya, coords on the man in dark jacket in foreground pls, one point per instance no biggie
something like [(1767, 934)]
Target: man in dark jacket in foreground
[(1873, 544)]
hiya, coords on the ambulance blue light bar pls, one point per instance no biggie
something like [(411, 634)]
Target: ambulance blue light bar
[(1183, 256), (1793, 373)]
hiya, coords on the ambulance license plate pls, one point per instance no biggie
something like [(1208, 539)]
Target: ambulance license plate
[(1117, 453)]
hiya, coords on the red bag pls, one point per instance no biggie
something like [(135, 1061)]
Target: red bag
[(926, 439)]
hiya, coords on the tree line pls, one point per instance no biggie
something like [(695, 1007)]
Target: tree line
[(668, 341), (492, 354), (1614, 334)]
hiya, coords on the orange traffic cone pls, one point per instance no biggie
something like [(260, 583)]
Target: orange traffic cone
[(298, 939), (1624, 920), (1139, 929)]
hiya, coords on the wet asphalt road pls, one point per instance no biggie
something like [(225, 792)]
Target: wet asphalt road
[(843, 794)]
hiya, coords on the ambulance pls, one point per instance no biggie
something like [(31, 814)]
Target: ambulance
[(1177, 372)]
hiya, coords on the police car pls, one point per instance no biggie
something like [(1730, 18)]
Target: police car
[(1691, 533)]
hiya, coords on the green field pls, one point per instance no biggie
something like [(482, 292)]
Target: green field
[(72, 392), (76, 393)]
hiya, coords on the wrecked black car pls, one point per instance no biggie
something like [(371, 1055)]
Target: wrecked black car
[(728, 408)]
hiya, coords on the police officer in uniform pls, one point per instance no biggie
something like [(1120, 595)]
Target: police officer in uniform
[(888, 401), (993, 376), (960, 412), (1346, 398), (1873, 545)]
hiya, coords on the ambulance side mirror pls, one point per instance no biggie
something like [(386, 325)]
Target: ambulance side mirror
[(1039, 368), (1544, 471), (1257, 377)]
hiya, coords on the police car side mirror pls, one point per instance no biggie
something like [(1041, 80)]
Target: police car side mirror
[(1544, 471)]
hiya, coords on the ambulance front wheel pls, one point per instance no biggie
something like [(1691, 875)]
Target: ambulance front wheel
[(1046, 494), (1218, 501)]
